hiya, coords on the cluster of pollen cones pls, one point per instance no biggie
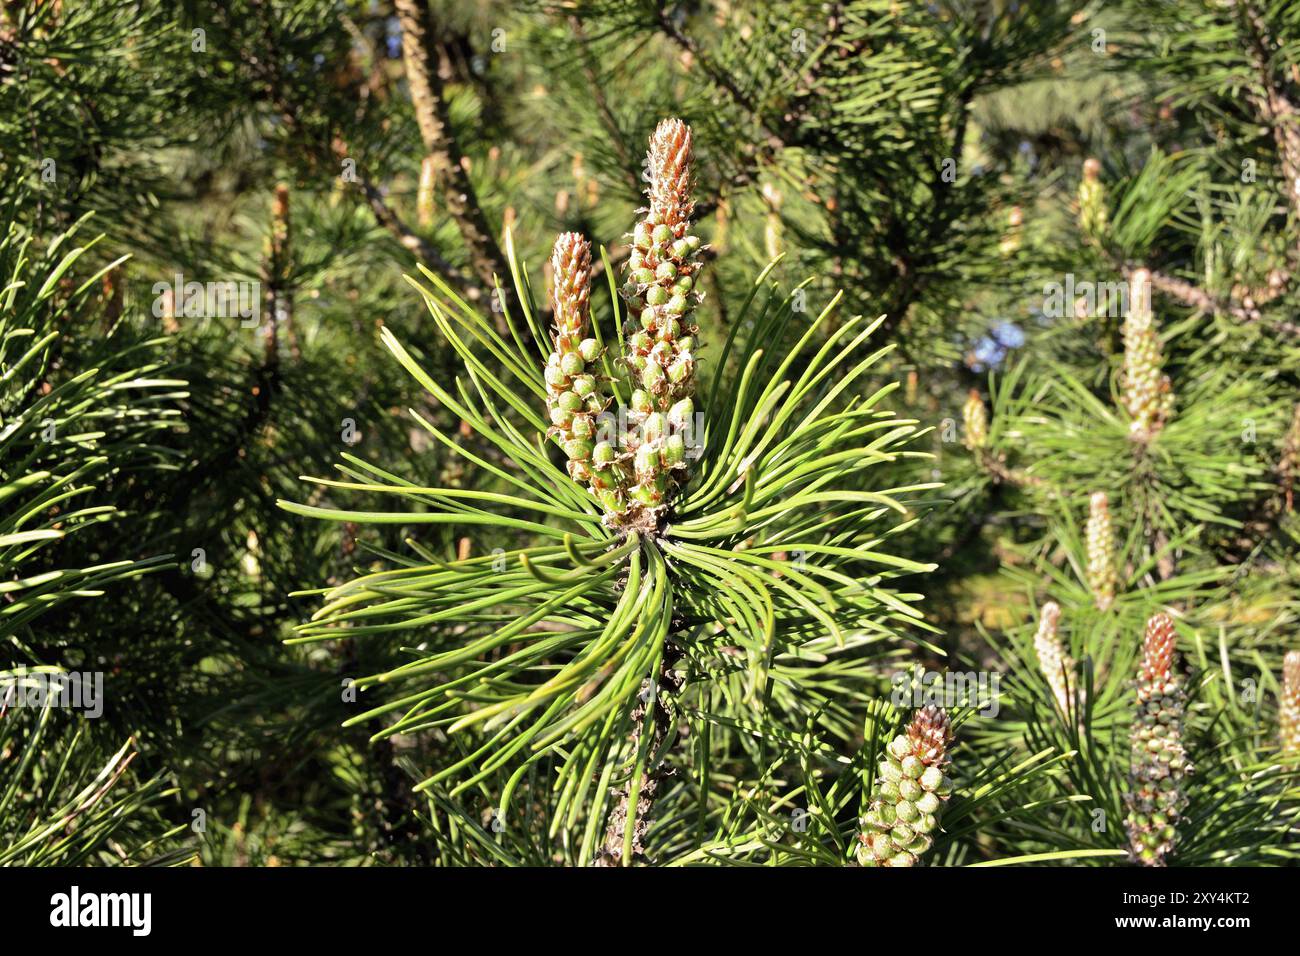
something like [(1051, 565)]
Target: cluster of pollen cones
[(633, 461)]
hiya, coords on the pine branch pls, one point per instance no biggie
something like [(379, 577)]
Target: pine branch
[(720, 77), (1245, 309), (427, 96), (267, 69), (409, 239), (603, 111), (653, 709), (1274, 106)]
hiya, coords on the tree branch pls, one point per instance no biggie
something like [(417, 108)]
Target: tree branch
[(427, 96), (1245, 309)]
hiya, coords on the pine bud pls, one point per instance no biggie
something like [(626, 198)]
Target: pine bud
[(424, 197), (578, 449), (1092, 201), (1289, 705), (646, 495), (646, 462), (582, 427), (574, 393), (682, 369), (652, 378), (653, 428), (1054, 661), (661, 299), (976, 419), (909, 793), (1101, 552), (571, 295), (571, 364), (1146, 392), (1159, 766)]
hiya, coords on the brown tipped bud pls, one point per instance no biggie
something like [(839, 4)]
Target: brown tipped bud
[(662, 292), (1091, 169), (909, 793), (571, 293), (1056, 664), (1101, 551), (669, 161), (1289, 704), (1158, 763), (929, 734), (1158, 648), (574, 395)]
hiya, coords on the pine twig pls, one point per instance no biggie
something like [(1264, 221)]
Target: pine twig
[(1245, 309), (653, 710), (433, 118)]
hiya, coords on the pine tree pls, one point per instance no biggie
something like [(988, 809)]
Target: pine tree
[(877, 338)]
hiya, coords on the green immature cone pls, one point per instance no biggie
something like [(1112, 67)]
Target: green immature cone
[(909, 793), (1159, 766), (1100, 538), (1289, 705), (1092, 201), (575, 396), (1145, 391)]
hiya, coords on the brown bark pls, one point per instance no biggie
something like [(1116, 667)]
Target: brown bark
[(444, 155), (655, 716)]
